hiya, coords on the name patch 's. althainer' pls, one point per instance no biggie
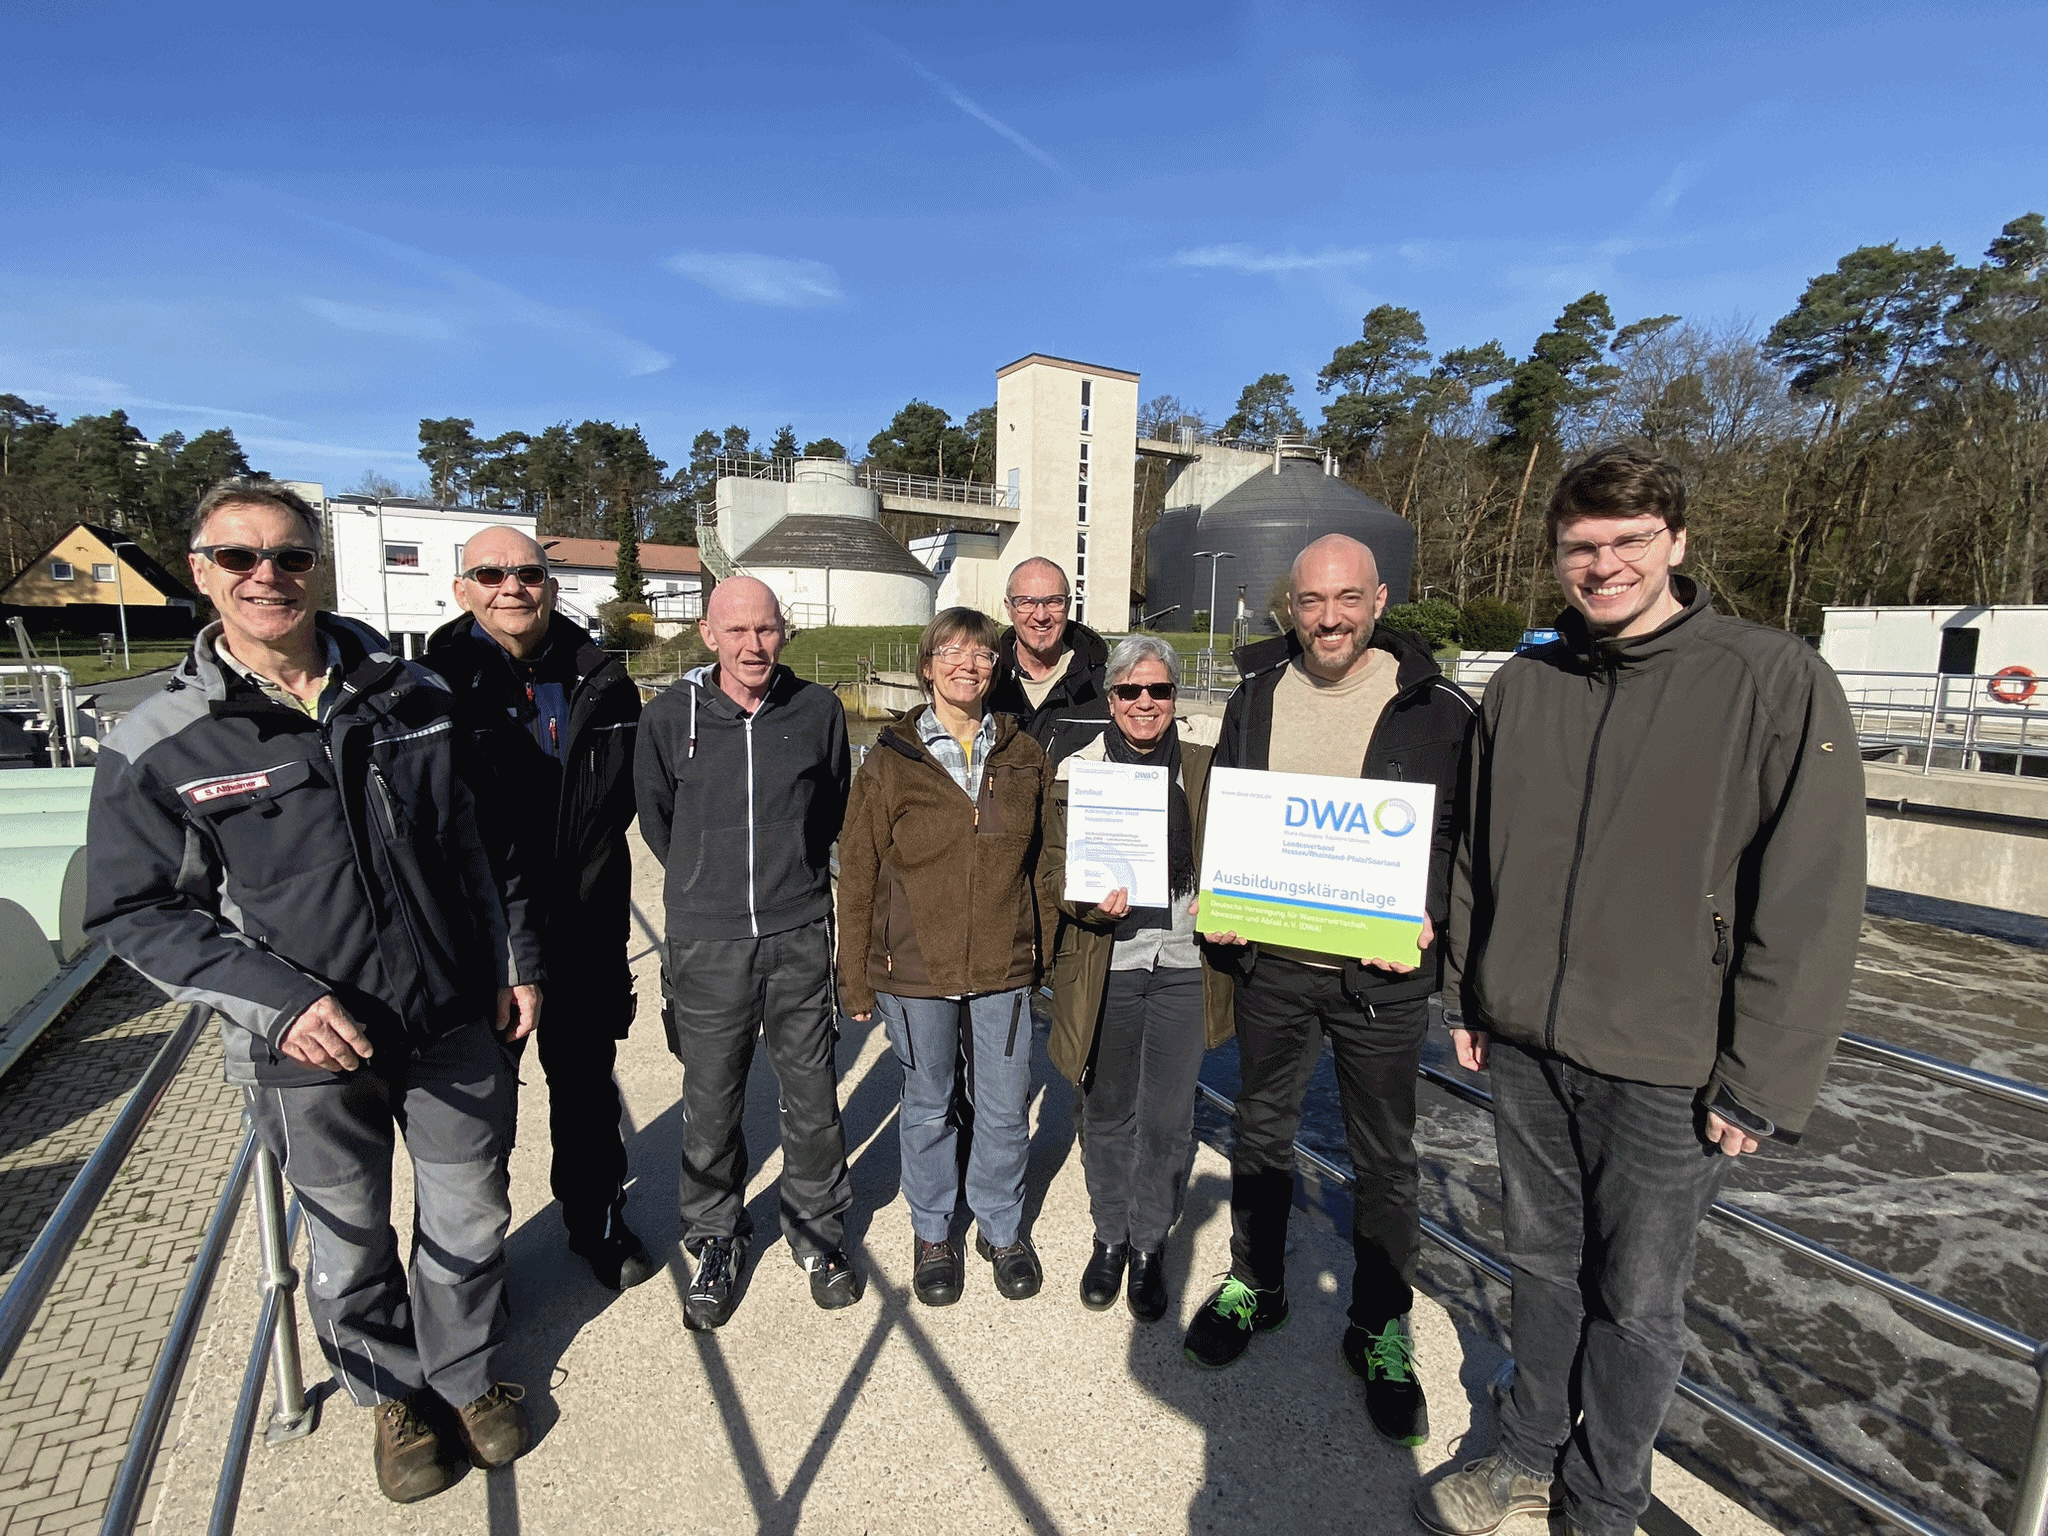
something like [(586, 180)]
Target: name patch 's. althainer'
[(213, 789)]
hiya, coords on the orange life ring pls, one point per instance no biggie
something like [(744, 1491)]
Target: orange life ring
[(2011, 685)]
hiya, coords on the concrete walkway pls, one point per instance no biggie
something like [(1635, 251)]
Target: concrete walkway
[(986, 1416)]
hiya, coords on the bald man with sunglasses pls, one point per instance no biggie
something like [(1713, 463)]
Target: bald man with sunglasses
[(554, 719)]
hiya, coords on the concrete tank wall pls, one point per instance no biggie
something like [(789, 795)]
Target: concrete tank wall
[(854, 597)]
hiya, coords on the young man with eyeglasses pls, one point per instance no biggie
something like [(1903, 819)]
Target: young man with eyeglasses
[(288, 834), (1339, 695), (1654, 918), (553, 720), (741, 775), (1050, 665)]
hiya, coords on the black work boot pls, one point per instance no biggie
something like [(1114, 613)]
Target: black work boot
[(936, 1277), (1103, 1274), (614, 1252), (715, 1284), (1146, 1296), (1017, 1271)]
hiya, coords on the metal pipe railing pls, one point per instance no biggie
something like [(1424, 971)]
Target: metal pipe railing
[(2010, 1089), (153, 1415), (2030, 1511), (60, 1234)]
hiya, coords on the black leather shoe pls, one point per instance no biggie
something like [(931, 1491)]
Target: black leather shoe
[(1105, 1272), (617, 1257), (1018, 1275), (936, 1277), (835, 1283), (1146, 1295)]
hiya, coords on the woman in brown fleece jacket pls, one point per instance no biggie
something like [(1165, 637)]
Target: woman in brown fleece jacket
[(942, 926)]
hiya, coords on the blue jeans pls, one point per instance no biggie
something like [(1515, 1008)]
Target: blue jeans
[(1603, 1185), (926, 1034)]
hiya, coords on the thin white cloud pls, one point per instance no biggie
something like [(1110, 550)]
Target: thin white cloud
[(749, 277), (372, 321), (307, 450), (507, 304), (1245, 258), (37, 384), (974, 109)]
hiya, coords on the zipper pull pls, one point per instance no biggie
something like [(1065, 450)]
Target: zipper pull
[(1720, 939)]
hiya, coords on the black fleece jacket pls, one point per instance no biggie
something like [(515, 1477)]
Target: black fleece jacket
[(1421, 736), (578, 807), (742, 809), (1081, 690)]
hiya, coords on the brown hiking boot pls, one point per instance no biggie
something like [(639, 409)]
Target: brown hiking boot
[(494, 1426), (413, 1462)]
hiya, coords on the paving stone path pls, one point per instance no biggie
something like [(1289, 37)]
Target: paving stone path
[(68, 1400)]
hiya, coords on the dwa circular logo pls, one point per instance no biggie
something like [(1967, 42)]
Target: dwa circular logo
[(1395, 818)]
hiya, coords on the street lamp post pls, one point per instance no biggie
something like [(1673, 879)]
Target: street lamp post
[(1212, 556), (121, 599)]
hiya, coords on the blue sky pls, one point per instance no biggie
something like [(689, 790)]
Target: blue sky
[(318, 224)]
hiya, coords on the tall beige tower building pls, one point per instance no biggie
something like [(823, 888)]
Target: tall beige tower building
[(1064, 437)]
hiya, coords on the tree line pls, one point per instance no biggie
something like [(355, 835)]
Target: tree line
[(1886, 441), (101, 469)]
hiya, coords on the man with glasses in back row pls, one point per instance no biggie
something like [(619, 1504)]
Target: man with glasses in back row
[(1049, 665), (553, 721), (287, 833), (1655, 908)]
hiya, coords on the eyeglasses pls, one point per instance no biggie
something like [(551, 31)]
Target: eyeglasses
[(240, 559), (1056, 604), (494, 575), (1629, 548), (964, 655), (1129, 692)]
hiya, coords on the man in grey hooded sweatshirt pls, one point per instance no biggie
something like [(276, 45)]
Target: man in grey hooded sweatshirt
[(741, 775)]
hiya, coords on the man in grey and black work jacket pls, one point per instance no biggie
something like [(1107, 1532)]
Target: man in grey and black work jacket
[(286, 833), (552, 719), (742, 773), (1654, 918)]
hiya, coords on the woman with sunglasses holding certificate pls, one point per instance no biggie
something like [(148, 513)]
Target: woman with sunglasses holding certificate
[(1135, 1002), (943, 927)]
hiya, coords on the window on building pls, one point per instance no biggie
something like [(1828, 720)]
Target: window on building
[(401, 557), (567, 583), (1081, 542), (1087, 400), (103, 572), (1080, 566), (62, 570)]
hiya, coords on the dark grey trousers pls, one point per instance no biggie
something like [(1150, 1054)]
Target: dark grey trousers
[(721, 993), (1138, 1115), (1603, 1185), (454, 1105)]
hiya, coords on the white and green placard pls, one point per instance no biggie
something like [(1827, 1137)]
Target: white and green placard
[(1338, 866)]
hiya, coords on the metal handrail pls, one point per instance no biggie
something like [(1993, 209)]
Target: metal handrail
[(2030, 1512), (153, 1416), (60, 1234)]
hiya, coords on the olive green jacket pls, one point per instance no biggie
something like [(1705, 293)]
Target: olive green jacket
[(1081, 952)]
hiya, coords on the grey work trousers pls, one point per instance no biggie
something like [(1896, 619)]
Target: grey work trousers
[(721, 993), (1138, 1115), (454, 1103)]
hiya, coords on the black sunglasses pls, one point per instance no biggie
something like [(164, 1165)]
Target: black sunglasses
[(494, 575), (240, 559), (1128, 692)]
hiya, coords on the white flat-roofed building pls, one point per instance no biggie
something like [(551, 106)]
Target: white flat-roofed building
[(396, 560)]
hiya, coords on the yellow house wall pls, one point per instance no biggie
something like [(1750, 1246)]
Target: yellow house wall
[(34, 588)]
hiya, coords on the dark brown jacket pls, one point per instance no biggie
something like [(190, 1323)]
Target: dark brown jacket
[(1661, 876), (937, 895), (1081, 955)]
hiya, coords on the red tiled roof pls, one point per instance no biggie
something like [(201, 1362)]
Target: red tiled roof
[(586, 554)]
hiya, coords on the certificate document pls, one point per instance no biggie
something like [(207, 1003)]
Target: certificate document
[(1116, 832), (1340, 866)]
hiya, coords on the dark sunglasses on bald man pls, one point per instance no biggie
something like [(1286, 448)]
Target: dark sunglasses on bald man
[(494, 575), (1129, 692), (240, 559)]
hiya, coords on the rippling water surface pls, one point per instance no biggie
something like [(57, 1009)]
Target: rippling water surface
[(1940, 1186)]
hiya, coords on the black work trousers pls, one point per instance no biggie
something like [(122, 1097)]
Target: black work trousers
[(1138, 1113), (721, 994), (1284, 1012), (588, 1173)]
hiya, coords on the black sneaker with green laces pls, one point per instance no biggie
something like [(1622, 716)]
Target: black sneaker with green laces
[(1223, 1329), (1385, 1360)]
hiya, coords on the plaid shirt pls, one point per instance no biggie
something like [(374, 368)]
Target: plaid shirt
[(963, 763)]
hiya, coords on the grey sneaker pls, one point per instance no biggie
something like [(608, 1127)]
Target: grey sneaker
[(1482, 1496)]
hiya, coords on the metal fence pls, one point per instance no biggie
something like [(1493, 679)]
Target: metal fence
[(2030, 1508), (883, 482), (1954, 720), (45, 688)]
